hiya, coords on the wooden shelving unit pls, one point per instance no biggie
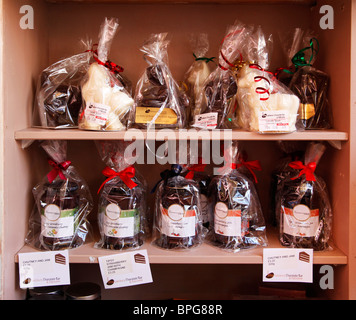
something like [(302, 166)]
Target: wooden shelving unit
[(51, 40)]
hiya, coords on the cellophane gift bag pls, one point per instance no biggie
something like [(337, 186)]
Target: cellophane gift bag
[(106, 101), (122, 214), (58, 95), (234, 203), (159, 101), (218, 95), (62, 204), (310, 84), (177, 216), (305, 210), (265, 105), (198, 173), (197, 73)]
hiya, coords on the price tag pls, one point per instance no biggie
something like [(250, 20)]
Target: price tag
[(44, 269), (288, 265), (125, 270)]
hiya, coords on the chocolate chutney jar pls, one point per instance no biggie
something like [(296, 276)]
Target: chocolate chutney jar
[(120, 217), (59, 210), (179, 215)]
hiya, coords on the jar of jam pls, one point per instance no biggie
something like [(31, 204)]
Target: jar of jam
[(59, 205), (178, 214), (120, 218), (83, 291)]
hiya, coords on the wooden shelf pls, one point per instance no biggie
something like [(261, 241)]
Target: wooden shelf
[(204, 254), (298, 2), (169, 134)]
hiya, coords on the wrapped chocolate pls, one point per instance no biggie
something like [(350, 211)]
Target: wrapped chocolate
[(159, 101), (177, 216), (198, 72), (218, 95), (58, 96), (238, 220), (197, 173), (106, 102), (265, 105), (62, 204), (305, 211), (122, 201), (309, 84)]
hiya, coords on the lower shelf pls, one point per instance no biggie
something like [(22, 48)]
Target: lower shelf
[(204, 254)]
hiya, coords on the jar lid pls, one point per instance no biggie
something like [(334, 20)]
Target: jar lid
[(71, 186), (41, 291), (83, 291)]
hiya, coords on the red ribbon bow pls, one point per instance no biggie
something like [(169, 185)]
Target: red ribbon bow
[(195, 168), (113, 67), (57, 170), (250, 165), (125, 175), (308, 170)]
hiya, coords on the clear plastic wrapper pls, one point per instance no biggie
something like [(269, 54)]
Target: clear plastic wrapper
[(62, 205), (177, 216), (218, 95), (305, 210), (264, 105), (238, 219), (58, 95), (308, 83), (198, 72), (159, 101), (106, 102), (122, 200), (197, 172)]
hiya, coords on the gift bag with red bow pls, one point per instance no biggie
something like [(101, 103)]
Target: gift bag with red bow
[(62, 204), (177, 218), (122, 199), (305, 211), (234, 203)]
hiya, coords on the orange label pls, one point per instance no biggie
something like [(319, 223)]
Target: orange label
[(146, 115)]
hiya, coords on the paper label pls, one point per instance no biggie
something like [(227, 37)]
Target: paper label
[(227, 222), (276, 121), (125, 270), (206, 120), (97, 113), (300, 221), (56, 223), (119, 223), (146, 115), (44, 269), (288, 265), (178, 222)]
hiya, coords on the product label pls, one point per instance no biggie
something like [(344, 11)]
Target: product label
[(119, 223), (206, 120), (300, 221), (97, 113), (178, 222), (146, 115), (275, 121), (306, 111), (57, 223), (227, 222)]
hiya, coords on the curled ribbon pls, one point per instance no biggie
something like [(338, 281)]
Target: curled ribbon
[(113, 67), (125, 175), (207, 60), (249, 165), (308, 170), (195, 168), (57, 170)]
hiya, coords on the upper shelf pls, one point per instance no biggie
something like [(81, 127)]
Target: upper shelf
[(169, 134), (299, 2)]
